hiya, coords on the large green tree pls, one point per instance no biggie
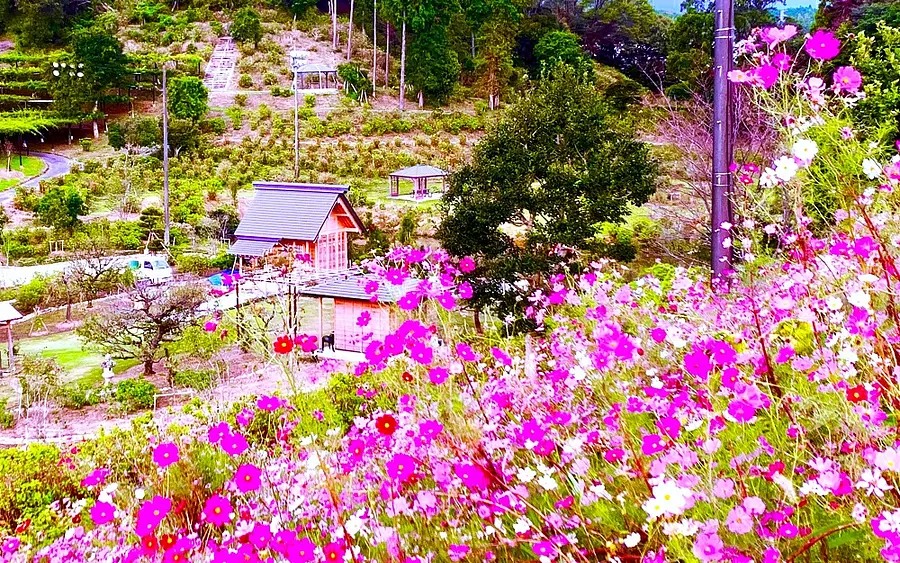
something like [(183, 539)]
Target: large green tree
[(247, 27), (60, 208), (562, 47), (188, 98), (558, 165)]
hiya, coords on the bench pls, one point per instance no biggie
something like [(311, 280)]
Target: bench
[(171, 393)]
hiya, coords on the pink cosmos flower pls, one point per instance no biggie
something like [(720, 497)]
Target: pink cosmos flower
[(544, 549), (501, 356), (302, 551), (457, 552), (773, 35), (247, 478), (260, 536), (234, 444), (371, 287), (466, 265), (95, 477), (409, 302), (269, 403), (658, 334), (217, 432), (847, 79), (465, 352), (822, 45), (741, 411), (210, 326), (446, 301), (472, 476), (395, 276), (10, 546), (245, 417), (421, 353), (400, 468), (165, 454), (651, 444), (364, 319), (709, 547), (438, 375), (697, 364), (217, 511), (333, 552), (670, 426), (782, 61), (464, 290), (102, 512), (764, 75), (738, 521), (151, 513)]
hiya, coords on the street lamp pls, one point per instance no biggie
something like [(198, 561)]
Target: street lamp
[(297, 60)]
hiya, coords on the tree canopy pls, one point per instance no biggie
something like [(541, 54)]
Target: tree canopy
[(246, 26), (60, 208), (555, 167), (188, 98)]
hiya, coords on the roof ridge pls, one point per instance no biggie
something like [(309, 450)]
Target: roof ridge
[(301, 187)]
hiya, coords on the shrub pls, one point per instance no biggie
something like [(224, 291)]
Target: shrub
[(86, 144), (7, 419), (240, 100), (201, 380), (31, 295), (135, 394), (199, 264), (245, 81), (270, 79), (78, 395), (310, 100), (215, 125)]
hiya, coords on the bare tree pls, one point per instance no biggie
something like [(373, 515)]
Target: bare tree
[(159, 315), (8, 148), (93, 273), (350, 33)]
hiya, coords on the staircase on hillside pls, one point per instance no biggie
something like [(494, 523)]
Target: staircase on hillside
[(220, 69)]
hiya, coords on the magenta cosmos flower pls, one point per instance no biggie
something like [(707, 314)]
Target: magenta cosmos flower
[(151, 513), (217, 432), (847, 79), (466, 265), (333, 552), (764, 75), (247, 478), (400, 468), (165, 454), (102, 512), (268, 403), (10, 546), (217, 511), (822, 45), (234, 444), (95, 477), (471, 476)]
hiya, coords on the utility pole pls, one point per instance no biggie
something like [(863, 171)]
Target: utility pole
[(374, 46), (165, 112), (723, 53), (296, 60)]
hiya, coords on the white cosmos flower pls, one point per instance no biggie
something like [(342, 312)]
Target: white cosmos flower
[(859, 299), (547, 482), (768, 179), (871, 169), (805, 150), (526, 474), (521, 526), (631, 539), (786, 168)]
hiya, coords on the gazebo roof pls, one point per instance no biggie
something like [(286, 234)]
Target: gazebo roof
[(420, 171), (353, 287), (8, 313), (316, 67)]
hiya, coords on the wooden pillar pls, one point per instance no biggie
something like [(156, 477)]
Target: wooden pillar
[(9, 345), (321, 323), (237, 299)]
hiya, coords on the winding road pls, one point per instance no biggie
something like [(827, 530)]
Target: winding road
[(56, 166)]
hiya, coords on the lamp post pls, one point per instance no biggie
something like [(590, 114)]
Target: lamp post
[(297, 60), (723, 53), (165, 128)]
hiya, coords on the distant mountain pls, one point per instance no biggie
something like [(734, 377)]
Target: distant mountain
[(803, 15)]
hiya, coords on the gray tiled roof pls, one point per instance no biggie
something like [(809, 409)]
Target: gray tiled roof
[(353, 286), (8, 312), (251, 247), (420, 171), (282, 210)]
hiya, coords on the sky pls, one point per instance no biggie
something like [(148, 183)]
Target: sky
[(675, 5)]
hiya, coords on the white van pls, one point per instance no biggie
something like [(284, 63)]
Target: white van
[(154, 269)]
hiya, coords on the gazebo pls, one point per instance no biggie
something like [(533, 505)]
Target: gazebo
[(419, 175), (322, 71), (8, 314)]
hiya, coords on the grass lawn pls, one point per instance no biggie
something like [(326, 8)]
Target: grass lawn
[(31, 166), (68, 351)]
